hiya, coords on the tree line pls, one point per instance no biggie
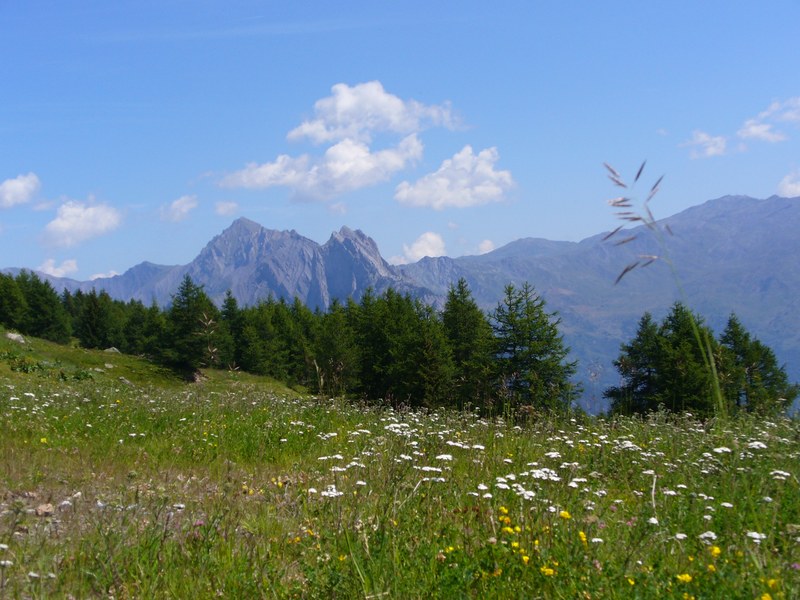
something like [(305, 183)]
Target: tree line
[(394, 348)]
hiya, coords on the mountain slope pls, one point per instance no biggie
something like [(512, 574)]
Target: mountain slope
[(732, 254)]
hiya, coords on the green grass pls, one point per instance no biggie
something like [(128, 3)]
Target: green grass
[(239, 487)]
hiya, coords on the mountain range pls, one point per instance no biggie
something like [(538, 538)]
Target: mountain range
[(733, 254)]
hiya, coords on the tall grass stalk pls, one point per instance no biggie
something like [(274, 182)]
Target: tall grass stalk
[(629, 215)]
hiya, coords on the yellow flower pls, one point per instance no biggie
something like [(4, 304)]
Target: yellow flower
[(631, 581), (715, 551), (43, 440), (504, 510), (685, 578), (565, 514), (712, 569), (582, 535), (772, 583), (525, 558), (766, 596), (547, 571)]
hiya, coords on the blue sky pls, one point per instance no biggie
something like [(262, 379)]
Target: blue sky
[(134, 131)]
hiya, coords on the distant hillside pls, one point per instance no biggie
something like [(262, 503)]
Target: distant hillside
[(732, 254)]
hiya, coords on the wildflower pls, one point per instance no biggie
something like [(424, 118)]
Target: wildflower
[(526, 558), (331, 492), (652, 521), (565, 515), (715, 551), (582, 536), (680, 536), (756, 536), (708, 535), (43, 440), (684, 578), (766, 596), (596, 540), (503, 510), (722, 450), (712, 568), (631, 581), (547, 571), (445, 457)]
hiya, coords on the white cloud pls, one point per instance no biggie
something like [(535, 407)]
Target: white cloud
[(787, 111), (108, 275), (464, 180), (357, 112), (18, 190), (347, 121), (65, 268), (346, 166), (76, 222), (225, 208), (704, 145), (428, 244), (485, 246), (789, 187), (762, 126), (753, 129), (179, 209)]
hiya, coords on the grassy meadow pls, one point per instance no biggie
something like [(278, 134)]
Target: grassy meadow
[(118, 480)]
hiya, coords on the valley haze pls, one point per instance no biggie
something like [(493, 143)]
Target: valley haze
[(732, 254)]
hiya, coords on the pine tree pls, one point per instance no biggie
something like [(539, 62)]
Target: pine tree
[(45, 317), (230, 331), (752, 380), (666, 367), (685, 381), (97, 325), (638, 366), (13, 307), (434, 363), (532, 369), (336, 354), (190, 329), (469, 336)]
